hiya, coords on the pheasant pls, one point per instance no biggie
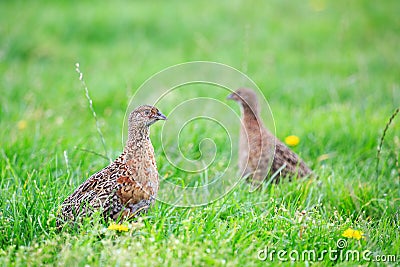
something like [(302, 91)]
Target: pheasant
[(259, 149), (129, 185)]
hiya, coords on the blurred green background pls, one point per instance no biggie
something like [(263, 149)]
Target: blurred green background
[(312, 54), (329, 69)]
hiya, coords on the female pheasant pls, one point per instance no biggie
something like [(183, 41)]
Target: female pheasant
[(259, 150), (128, 185)]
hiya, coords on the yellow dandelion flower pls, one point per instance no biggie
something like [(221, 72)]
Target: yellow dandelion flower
[(292, 140), (348, 233), (351, 233), (118, 227), (317, 5), (21, 124), (358, 234)]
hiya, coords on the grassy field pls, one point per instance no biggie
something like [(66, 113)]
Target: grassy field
[(330, 71)]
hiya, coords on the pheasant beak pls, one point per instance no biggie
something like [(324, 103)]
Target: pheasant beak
[(160, 116), (231, 96)]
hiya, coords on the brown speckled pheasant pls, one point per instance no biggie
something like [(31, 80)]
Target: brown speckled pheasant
[(128, 185), (256, 145)]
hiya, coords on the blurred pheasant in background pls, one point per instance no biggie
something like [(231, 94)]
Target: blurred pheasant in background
[(259, 149), (129, 185)]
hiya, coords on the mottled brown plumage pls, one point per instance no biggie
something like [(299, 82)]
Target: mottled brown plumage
[(128, 185), (259, 149)]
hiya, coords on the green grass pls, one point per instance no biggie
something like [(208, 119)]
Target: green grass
[(331, 77)]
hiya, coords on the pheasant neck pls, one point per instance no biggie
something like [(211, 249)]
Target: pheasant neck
[(249, 113), (137, 136)]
